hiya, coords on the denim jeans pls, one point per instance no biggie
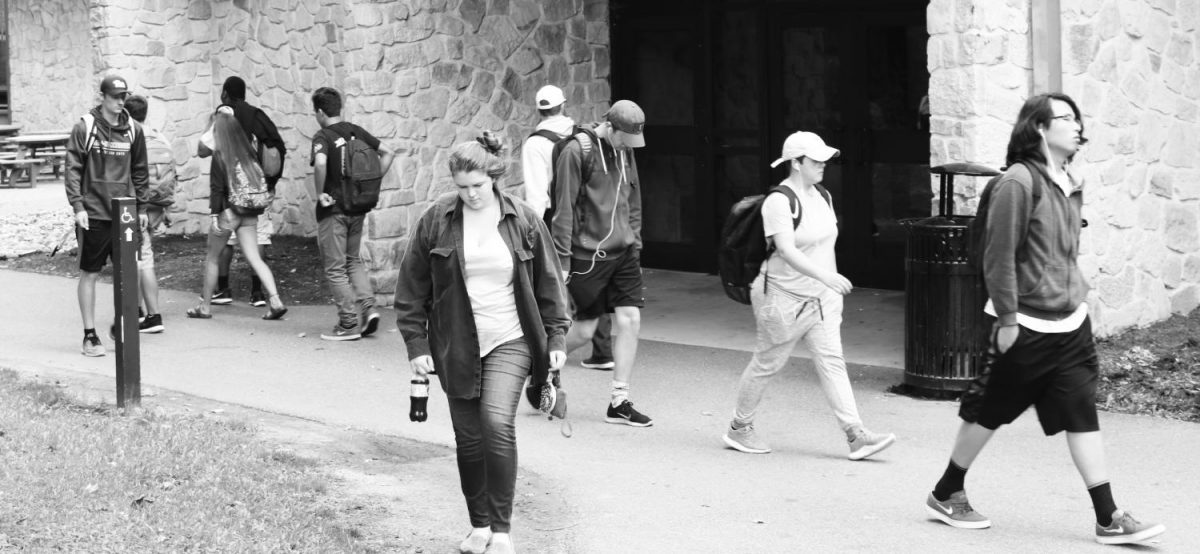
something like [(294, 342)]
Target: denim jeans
[(339, 238), (782, 320), (487, 437)]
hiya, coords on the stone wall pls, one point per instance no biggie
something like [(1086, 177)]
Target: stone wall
[(980, 72), (1134, 67), (53, 79), (420, 74)]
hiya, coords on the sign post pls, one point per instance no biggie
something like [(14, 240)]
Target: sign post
[(127, 235)]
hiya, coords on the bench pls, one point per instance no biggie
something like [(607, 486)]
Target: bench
[(55, 160), (9, 168)]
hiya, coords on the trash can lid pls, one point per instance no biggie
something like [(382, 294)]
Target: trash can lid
[(964, 168)]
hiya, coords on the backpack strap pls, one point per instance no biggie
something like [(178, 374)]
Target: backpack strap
[(546, 134)]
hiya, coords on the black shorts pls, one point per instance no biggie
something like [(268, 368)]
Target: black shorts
[(1056, 373), (610, 284), (95, 245)]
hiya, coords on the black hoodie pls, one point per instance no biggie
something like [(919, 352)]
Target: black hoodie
[(115, 165)]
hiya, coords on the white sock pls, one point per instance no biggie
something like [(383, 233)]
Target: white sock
[(620, 393)]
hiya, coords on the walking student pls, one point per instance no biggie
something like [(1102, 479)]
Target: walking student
[(798, 297), (236, 161), (597, 229), (149, 320), (480, 299), (339, 229), (1042, 352), (106, 158), (537, 164), (263, 136)]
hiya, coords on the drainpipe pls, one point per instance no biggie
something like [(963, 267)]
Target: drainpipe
[(1045, 24)]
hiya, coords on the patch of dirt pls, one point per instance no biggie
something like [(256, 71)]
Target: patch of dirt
[(179, 263), (1154, 370)]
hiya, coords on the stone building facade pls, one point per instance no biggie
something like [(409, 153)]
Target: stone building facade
[(424, 74), (1134, 68), (419, 74)]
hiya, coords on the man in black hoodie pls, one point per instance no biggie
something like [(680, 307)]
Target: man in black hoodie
[(262, 133), (106, 158)]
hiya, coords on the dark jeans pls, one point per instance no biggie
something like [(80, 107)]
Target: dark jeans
[(487, 437), (339, 238)]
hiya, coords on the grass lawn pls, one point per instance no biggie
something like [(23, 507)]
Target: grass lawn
[(81, 478)]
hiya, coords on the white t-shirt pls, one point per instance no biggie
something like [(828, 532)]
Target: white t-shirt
[(489, 270), (815, 237)]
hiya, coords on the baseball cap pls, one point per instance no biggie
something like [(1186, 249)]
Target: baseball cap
[(628, 119), (114, 84), (549, 96), (808, 145)]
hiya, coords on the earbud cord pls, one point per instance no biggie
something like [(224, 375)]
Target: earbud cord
[(600, 254)]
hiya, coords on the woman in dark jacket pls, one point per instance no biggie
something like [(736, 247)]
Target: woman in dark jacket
[(480, 298)]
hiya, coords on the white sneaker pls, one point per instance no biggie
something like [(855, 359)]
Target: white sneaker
[(866, 443)]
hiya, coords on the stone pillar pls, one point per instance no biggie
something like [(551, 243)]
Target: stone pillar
[(980, 72)]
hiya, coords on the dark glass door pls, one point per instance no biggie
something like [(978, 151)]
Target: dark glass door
[(724, 82), (661, 68), (858, 80)]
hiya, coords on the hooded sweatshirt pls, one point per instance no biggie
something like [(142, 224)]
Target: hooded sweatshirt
[(598, 211), (536, 163), (115, 166)]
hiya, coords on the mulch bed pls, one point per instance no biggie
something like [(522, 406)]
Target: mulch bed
[(179, 262)]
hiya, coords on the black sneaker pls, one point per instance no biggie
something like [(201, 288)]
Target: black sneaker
[(341, 332), (152, 324), (370, 321), (141, 314), (596, 362), (257, 298), (223, 297), (626, 415)]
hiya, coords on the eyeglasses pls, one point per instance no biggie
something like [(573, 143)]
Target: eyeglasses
[(1068, 117)]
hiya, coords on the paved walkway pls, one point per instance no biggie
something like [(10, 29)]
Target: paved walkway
[(672, 487)]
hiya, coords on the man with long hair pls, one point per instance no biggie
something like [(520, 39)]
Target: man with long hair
[(1042, 351)]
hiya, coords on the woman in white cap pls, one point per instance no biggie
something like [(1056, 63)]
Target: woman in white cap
[(798, 296)]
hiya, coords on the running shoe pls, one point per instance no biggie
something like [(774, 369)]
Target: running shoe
[(223, 297), (624, 414), (957, 512), (1125, 529), (745, 440)]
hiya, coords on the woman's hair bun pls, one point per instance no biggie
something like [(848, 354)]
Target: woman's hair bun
[(491, 142)]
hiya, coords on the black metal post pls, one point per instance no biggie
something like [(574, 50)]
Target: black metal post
[(126, 238)]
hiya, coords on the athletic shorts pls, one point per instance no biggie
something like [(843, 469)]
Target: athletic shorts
[(597, 290), (1056, 373), (95, 245), (264, 229)]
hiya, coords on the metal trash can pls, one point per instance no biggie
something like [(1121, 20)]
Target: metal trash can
[(945, 334)]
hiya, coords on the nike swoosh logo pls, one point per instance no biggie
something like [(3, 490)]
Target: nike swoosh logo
[(949, 511), (1119, 530)]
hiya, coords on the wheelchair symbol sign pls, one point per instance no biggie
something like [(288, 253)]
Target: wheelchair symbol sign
[(126, 217)]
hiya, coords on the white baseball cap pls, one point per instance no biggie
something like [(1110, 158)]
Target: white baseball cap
[(549, 96), (808, 145)]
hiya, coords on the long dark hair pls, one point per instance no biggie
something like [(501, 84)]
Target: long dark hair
[(1025, 144), (234, 149)]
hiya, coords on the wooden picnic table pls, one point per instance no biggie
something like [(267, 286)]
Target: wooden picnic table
[(34, 142), (28, 161)]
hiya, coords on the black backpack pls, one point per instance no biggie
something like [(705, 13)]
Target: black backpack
[(744, 246), (978, 227), (362, 175), (586, 138)]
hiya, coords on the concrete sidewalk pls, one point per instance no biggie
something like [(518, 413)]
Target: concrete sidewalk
[(671, 487)]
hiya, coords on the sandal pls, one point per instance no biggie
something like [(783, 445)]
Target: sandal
[(272, 313), (196, 313)]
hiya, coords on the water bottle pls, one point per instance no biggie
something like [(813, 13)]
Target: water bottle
[(418, 397)]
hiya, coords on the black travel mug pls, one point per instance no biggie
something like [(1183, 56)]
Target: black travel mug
[(418, 398)]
